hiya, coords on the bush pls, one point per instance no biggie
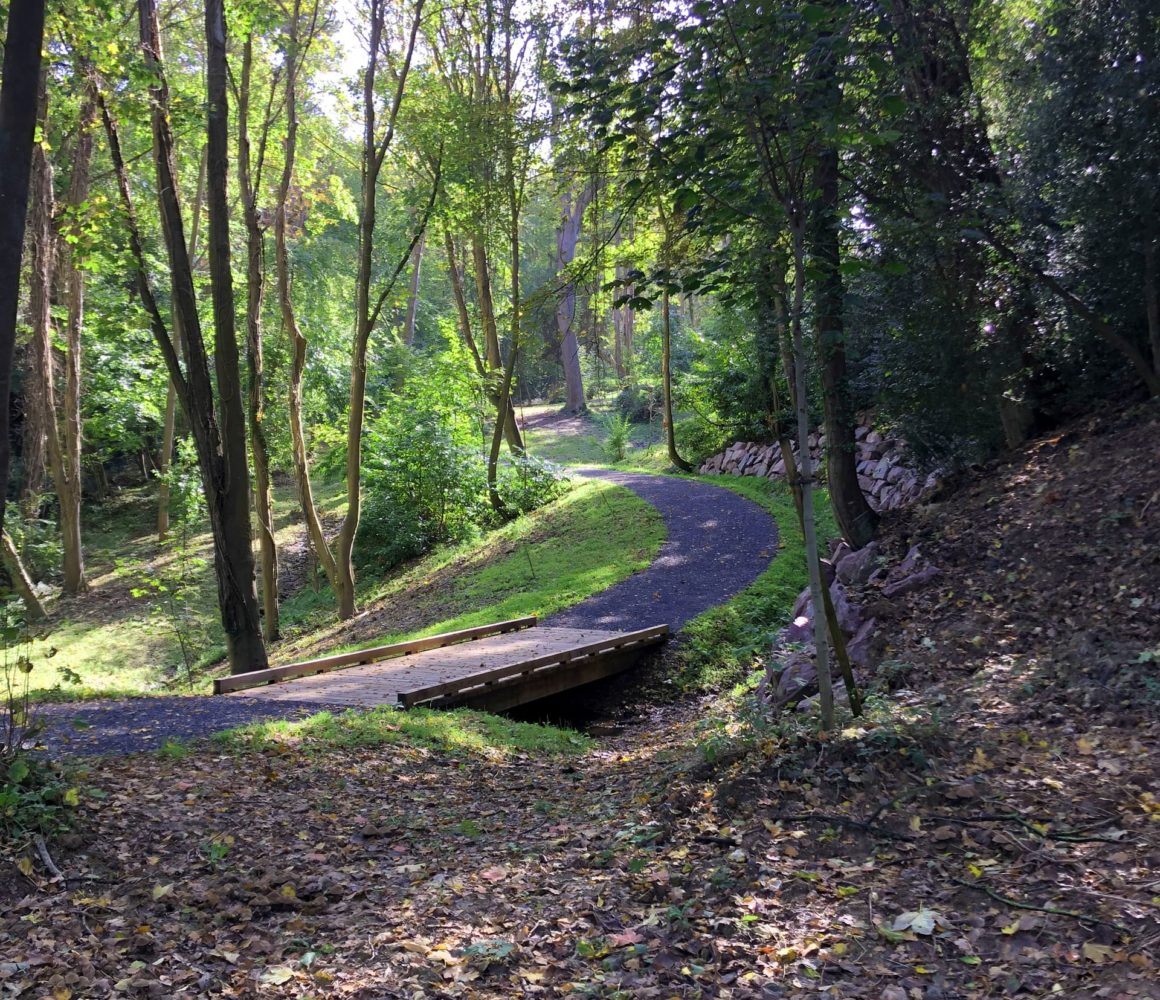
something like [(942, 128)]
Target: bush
[(639, 403), (527, 483), (617, 430), (428, 489), (697, 439)]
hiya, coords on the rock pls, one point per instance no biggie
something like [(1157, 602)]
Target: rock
[(895, 473), (866, 483), (828, 573), (874, 438), (860, 649), (760, 469), (838, 551), (910, 562), (912, 582), (860, 432), (849, 618), (882, 469), (798, 673), (855, 568), (778, 468), (802, 602), (801, 629)]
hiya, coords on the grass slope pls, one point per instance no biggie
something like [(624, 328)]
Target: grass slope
[(113, 643)]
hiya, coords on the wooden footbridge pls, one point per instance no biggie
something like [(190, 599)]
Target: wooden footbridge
[(494, 667)]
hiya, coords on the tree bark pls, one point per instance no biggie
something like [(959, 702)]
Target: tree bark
[(255, 363), (298, 343), (856, 520), (68, 476), (492, 353), (567, 236), (813, 561), (40, 375), (18, 89), (413, 291), (1152, 298), (169, 427), (21, 581), (232, 497), (667, 384)]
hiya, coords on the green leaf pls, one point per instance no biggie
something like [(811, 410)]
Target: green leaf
[(17, 771)]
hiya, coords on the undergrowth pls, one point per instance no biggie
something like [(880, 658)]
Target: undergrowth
[(721, 646)]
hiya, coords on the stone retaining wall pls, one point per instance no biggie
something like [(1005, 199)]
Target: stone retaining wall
[(885, 478)]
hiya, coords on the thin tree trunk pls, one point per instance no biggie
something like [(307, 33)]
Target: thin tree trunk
[(493, 354), (813, 561), (461, 311), (413, 291), (40, 382), (21, 581), (68, 485), (169, 428), (255, 364), (298, 344), (19, 83), (667, 385), (855, 518), (567, 236), (1152, 299)]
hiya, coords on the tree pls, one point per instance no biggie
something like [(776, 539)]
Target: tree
[(18, 104), (221, 458)]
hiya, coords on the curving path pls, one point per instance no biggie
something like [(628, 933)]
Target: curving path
[(717, 544)]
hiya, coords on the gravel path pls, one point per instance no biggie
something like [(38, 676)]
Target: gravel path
[(718, 543)]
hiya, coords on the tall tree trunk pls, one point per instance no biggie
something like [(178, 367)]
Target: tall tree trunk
[(255, 364), (226, 486), (461, 311), (567, 236), (374, 151), (298, 344), (413, 291), (19, 82), (232, 499), (667, 385), (493, 354), (813, 560), (855, 518), (68, 477), (40, 375), (169, 427)]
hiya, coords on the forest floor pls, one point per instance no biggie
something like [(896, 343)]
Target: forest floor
[(988, 829)]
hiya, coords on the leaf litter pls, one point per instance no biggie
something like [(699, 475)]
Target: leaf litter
[(989, 831)]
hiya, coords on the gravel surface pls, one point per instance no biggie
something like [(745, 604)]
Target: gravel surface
[(718, 543)]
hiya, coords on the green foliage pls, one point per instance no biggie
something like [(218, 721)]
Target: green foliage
[(460, 731), (39, 544), (617, 431), (527, 483), (639, 402), (722, 645)]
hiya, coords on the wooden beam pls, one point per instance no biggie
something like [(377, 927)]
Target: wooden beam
[(466, 687), (256, 678)]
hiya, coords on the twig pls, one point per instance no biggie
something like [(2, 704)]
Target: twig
[(46, 858), (1083, 918), (1071, 838)]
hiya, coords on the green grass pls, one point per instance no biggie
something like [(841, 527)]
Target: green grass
[(721, 644), (123, 646), (459, 732), (587, 448), (594, 536)]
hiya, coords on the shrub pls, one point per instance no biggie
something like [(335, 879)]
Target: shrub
[(617, 430), (697, 439), (527, 483), (639, 403)]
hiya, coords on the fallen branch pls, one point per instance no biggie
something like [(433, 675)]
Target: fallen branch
[(1083, 918), (1071, 838), (46, 858)]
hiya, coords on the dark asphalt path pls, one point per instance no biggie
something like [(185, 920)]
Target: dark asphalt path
[(718, 543)]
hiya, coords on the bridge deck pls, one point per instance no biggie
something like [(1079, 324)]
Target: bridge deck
[(477, 667)]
